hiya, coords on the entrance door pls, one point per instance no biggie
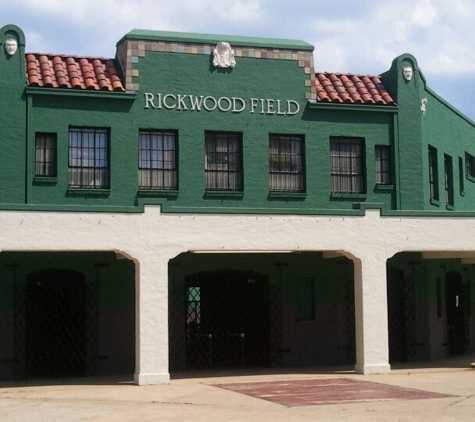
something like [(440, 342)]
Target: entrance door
[(227, 320), (55, 324), (455, 306)]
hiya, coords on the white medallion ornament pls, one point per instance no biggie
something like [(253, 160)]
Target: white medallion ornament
[(407, 72), (11, 46), (223, 55)]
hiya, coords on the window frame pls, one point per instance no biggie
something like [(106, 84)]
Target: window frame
[(470, 166), (383, 165), (100, 157), (157, 169), (433, 169), (289, 165), (356, 173), (49, 153), (227, 174), (461, 176), (449, 180)]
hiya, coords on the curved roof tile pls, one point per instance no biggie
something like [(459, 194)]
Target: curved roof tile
[(71, 72), (351, 89)]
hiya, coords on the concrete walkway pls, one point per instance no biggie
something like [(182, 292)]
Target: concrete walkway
[(199, 399)]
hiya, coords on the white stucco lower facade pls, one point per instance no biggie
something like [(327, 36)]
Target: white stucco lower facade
[(152, 239)]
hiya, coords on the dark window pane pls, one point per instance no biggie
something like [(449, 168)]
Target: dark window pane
[(223, 161), (157, 160), (88, 158), (347, 165)]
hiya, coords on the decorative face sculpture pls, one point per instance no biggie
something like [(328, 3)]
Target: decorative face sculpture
[(11, 46), (407, 73)]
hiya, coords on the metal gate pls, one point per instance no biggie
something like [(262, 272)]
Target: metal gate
[(227, 320), (55, 324), (457, 312)]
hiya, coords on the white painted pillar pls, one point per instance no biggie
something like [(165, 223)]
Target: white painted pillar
[(371, 315), (151, 321)]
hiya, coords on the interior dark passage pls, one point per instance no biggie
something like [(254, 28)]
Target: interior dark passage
[(397, 327), (227, 320), (55, 324), (457, 323)]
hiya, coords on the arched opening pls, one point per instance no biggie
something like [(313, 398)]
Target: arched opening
[(250, 310), (66, 314)]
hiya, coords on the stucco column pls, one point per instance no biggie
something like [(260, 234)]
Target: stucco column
[(151, 324), (371, 315)]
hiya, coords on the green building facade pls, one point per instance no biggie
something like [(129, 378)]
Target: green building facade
[(206, 201)]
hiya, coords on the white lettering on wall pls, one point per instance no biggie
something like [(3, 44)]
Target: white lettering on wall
[(185, 102)]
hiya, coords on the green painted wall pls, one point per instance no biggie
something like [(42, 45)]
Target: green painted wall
[(453, 134), (23, 112), (13, 123)]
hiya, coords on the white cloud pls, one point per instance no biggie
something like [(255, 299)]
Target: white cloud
[(424, 14), (348, 37)]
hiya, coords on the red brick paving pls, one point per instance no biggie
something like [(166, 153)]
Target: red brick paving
[(327, 391)]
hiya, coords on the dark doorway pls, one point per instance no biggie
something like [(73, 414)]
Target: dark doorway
[(55, 324), (227, 320), (456, 315), (397, 330)]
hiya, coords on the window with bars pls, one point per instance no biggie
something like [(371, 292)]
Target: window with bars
[(383, 165), (223, 161), (286, 166), (88, 158), (347, 165), (469, 165), (449, 179), (433, 174), (461, 177), (158, 159), (45, 154)]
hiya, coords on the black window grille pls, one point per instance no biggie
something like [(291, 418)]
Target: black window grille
[(286, 167), (88, 158), (347, 165), (461, 177), (223, 161), (433, 174), (383, 165), (45, 154), (157, 159), (469, 165), (449, 179)]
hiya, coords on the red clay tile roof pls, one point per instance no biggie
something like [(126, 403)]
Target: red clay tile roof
[(351, 89), (55, 71)]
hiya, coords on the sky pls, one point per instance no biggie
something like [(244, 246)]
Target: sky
[(350, 36)]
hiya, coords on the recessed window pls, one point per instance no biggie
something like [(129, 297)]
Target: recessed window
[(469, 165), (382, 165), (223, 161), (433, 174), (45, 154), (157, 159), (286, 168), (347, 165), (461, 177), (88, 158), (449, 180)]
